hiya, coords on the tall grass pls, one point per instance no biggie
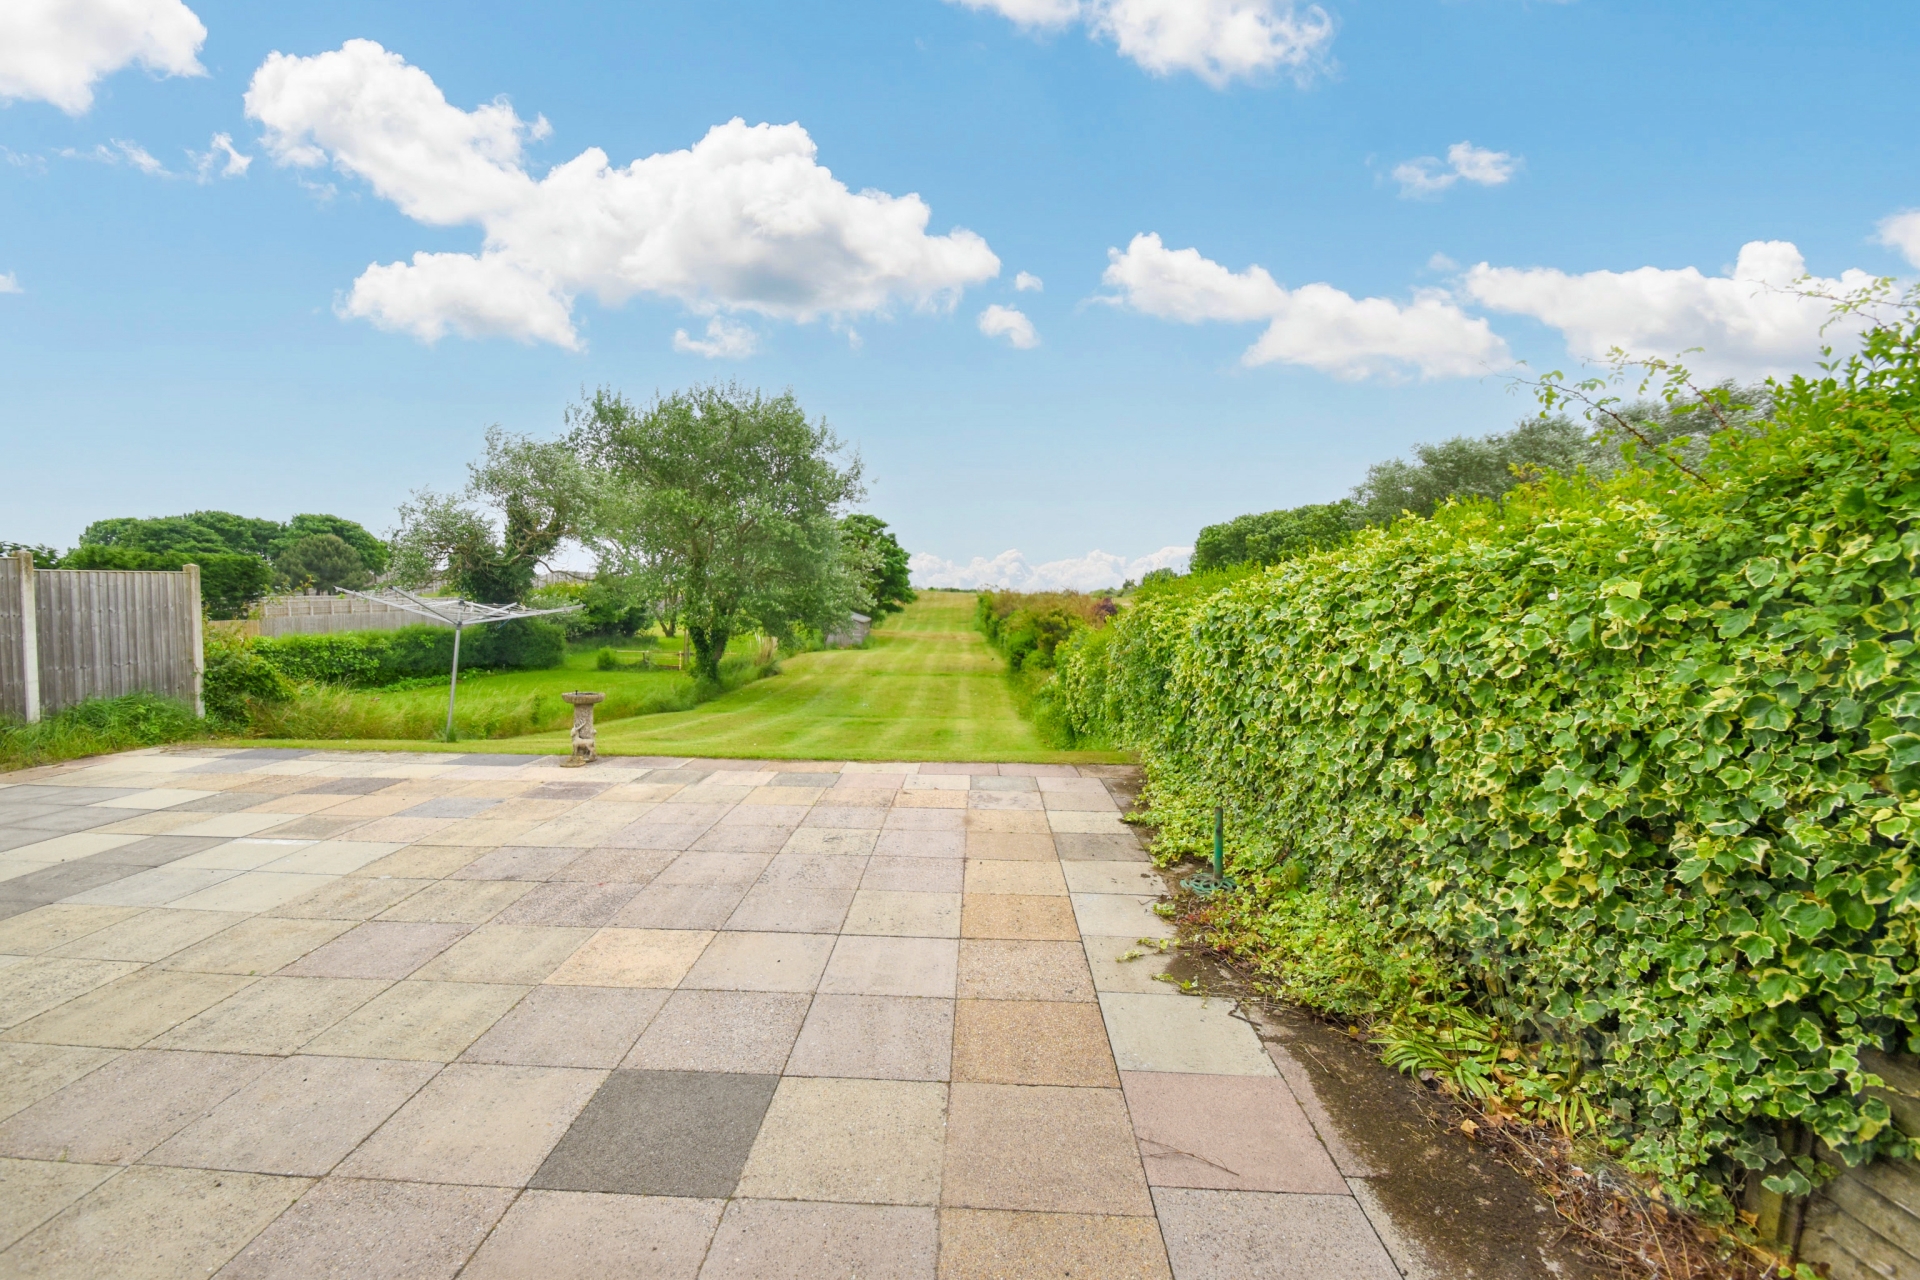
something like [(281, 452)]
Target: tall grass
[(97, 726)]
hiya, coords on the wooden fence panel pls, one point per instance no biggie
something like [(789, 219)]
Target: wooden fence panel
[(324, 615), (97, 633)]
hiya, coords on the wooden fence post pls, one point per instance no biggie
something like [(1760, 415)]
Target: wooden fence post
[(29, 636), (198, 641)]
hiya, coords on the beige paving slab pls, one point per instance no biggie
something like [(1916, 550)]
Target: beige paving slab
[(1010, 846), (831, 840), (151, 935), (1137, 879), (459, 901), (987, 1244), (160, 822), (1023, 969), (78, 844), (153, 1224), (43, 982), (479, 833), (423, 861), (44, 928), (1051, 1042), (1011, 915), (814, 1241), (1130, 964), (301, 1116), (747, 1032), (1080, 823), (569, 1027), (273, 1016), (509, 953), (233, 824), (1012, 821), (1190, 1034), (1119, 914), (875, 1038), (904, 914), (477, 1124), (258, 945), (334, 857), (32, 1191), (582, 1235), (251, 891), (882, 966), (125, 1108), (130, 1011), (986, 875), (236, 855), (401, 830), (373, 1231), (30, 1072), (416, 1020), (154, 798), (1004, 1144), (352, 898), (745, 961), (633, 958), (862, 1141)]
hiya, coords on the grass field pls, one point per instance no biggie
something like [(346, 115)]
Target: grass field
[(926, 687)]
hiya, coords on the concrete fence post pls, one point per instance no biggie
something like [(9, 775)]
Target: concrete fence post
[(29, 636), (197, 640)]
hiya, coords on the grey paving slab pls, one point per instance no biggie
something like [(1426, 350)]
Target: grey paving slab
[(377, 949), (888, 966), (121, 1111), (876, 1038), (680, 906), (761, 961), (571, 904), (778, 908), (1151, 1033), (569, 1027), (518, 862), (813, 1241), (1227, 1235), (679, 1133), (476, 1124), (372, 1231), (741, 1031)]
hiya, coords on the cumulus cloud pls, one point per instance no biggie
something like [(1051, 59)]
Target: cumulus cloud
[(1009, 323), (9, 283), (1427, 176), (725, 340), (1315, 325), (1027, 282), (1217, 40), (56, 50), (1901, 232), (1749, 323), (1095, 571), (744, 220)]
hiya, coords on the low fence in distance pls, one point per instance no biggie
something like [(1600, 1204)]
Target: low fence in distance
[(67, 635), (321, 615)]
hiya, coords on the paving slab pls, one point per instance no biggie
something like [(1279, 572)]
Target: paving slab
[(1023, 969), (29, 1072), (121, 1111), (615, 866), (888, 874), (32, 1191), (372, 1231), (1052, 1042), (55, 925), (1150, 1033), (1232, 1133), (257, 945), (352, 898), (786, 909), (476, 1124), (466, 902), (1226, 1235), (880, 966), (904, 914), (1010, 846), (992, 875), (1007, 915), (569, 1027), (272, 1016), (740, 961), (151, 935), (377, 949), (1004, 1143), (986, 1244), (571, 903), (730, 1030), (875, 1037), (633, 958), (677, 1133), (419, 1020), (680, 906), (301, 1116), (153, 1224), (799, 1240), (1120, 914), (45, 982), (584, 1235), (862, 1141), (130, 1011), (1129, 964)]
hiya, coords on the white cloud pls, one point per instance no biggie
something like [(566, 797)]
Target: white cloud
[(1748, 323), (1217, 40), (725, 340), (744, 220), (9, 283), (140, 158), (1027, 282), (1007, 322), (1426, 176), (1901, 231), (54, 50), (1095, 571), (1315, 325), (236, 164)]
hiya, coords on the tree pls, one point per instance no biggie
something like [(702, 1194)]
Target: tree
[(729, 501), (878, 563), (1273, 536), (1477, 466), (543, 496), (372, 551), (324, 562)]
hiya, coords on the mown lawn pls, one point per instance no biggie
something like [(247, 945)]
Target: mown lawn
[(926, 687)]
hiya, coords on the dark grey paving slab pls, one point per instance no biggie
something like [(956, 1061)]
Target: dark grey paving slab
[(156, 851), (15, 837), (664, 1133), (64, 879), (65, 821), (347, 786), (223, 802)]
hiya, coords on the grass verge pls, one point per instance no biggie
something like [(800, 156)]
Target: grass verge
[(95, 727)]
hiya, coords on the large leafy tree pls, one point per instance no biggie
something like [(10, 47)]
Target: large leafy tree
[(878, 563), (727, 500), (522, 500)]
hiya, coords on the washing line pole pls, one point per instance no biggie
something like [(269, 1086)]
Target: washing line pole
[(458, 614)]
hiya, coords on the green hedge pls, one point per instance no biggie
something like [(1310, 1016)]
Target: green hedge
[(368, 658), (1638, 762)]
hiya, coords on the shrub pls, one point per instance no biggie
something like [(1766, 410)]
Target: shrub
[(237, 679), (229, 582), (1028, 627), (1273, 536), (321, 561), (1637, 762), (367, 658)]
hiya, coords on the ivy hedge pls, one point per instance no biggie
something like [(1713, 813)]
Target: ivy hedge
[(371, 658), (1634, 763)]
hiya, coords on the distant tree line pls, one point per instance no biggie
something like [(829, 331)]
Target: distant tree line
[(1473, 466)]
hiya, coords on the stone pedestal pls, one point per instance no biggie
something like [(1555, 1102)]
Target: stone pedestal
[(583, 705)]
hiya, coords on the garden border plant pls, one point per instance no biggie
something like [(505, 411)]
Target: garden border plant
[(1629, 768)]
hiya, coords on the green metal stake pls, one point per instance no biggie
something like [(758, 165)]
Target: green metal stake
[(1206, 884)]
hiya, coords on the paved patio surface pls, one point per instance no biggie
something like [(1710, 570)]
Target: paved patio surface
[(287, 1014)]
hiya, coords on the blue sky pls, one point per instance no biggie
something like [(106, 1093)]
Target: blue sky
[(172, 337)]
